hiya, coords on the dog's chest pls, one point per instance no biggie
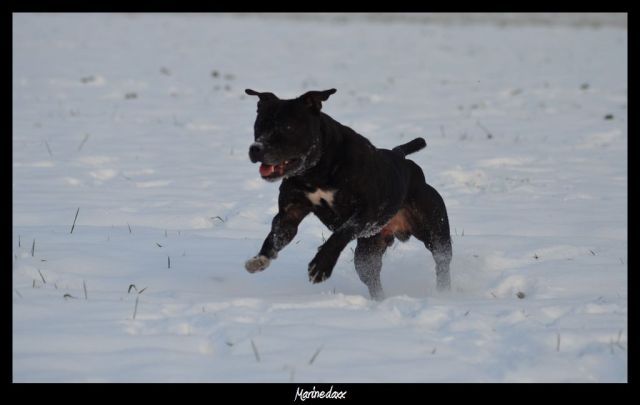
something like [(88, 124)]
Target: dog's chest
[(320, 197), (326, 207)]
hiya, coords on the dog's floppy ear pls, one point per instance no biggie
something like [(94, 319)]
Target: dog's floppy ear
[(313, 99), (265, 96)]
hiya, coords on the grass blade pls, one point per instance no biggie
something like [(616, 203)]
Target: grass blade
[(74, 220), (486, 131), (42, 277), (255, 351), (86, 137), (313, 358), (135, 309)]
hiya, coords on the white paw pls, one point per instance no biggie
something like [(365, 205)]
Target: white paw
[(257, 263)]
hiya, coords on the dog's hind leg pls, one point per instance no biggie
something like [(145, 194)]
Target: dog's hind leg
[(441, 252), (368, 261), (431, 225), (440, 247)]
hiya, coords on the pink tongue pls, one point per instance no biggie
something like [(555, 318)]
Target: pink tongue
[(266, 170)]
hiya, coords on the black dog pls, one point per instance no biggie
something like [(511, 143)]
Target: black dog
[(357, 190)]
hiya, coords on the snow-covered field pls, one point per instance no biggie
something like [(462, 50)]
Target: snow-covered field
[(141, 122)]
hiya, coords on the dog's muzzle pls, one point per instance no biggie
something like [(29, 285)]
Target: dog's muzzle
[(256, 152)]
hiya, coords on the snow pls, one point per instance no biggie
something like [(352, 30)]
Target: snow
[(141, 121)]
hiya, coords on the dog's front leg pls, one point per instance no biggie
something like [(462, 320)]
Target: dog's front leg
[(283, 229), (321, 266)]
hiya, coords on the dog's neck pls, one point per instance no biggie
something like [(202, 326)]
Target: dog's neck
[(330, 153)]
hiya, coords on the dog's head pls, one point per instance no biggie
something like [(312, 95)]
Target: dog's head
[(287, 133)]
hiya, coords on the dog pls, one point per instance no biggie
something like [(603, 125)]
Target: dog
[(357, 190)]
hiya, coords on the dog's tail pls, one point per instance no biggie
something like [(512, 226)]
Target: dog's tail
[(410, 147)]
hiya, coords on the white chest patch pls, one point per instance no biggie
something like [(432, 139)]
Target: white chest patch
[(317, 196)]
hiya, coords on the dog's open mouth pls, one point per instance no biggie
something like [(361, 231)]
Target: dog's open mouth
[(270, 172)]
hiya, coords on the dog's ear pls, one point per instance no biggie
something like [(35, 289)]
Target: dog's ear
[(314, 99), (266, 96)]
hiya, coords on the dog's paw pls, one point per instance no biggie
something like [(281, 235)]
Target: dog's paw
[(257, 263), (318, 272)]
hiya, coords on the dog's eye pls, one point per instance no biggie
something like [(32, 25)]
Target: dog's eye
[(285, 129)]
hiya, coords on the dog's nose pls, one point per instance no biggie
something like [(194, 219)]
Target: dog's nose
[(256, 150)]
